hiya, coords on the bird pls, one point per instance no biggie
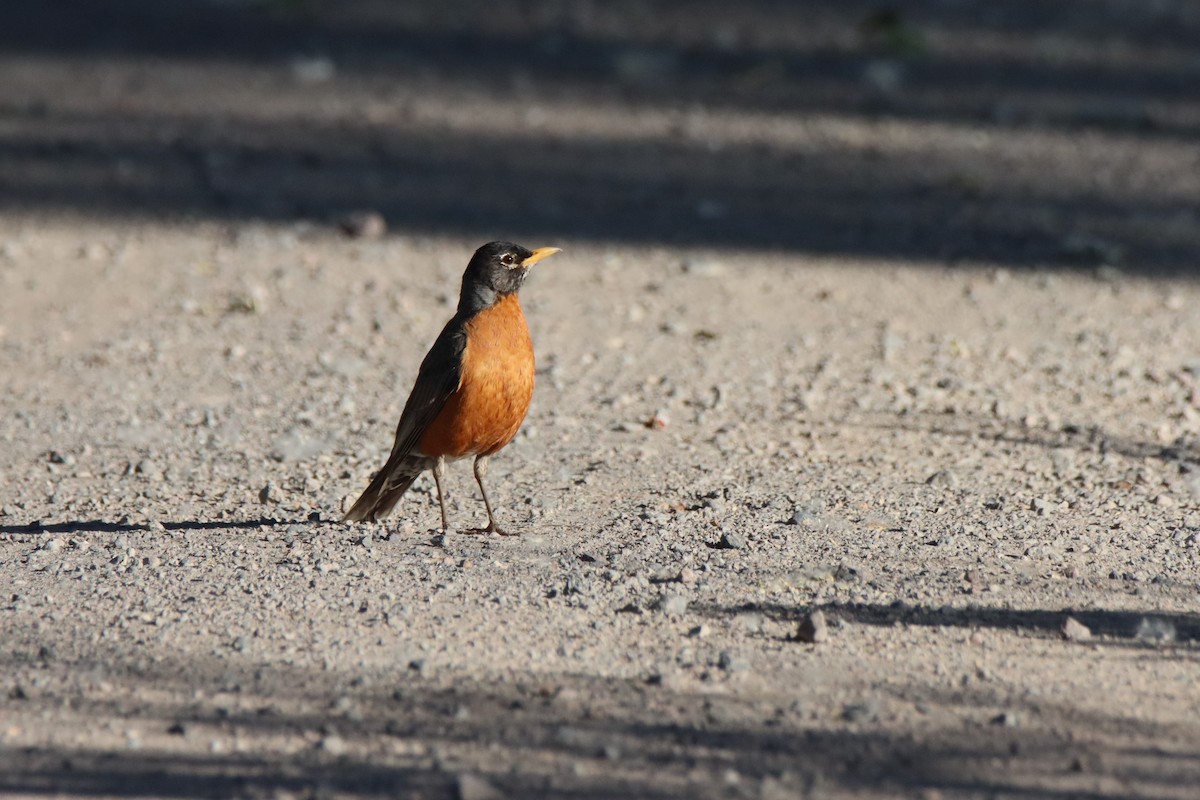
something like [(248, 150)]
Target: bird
[(473, 389)]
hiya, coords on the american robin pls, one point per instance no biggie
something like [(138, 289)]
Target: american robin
[(473, 388)]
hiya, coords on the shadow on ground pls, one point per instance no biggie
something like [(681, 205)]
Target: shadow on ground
[(225, 728), (107, 526), (1146, 627), (1081, 437), (1120, 75)]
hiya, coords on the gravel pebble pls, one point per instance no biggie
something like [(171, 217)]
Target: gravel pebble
[(473, 787), (732, 663), (812, 628), (704, 266), (1075, 631), (859, 712), (731, 540), (1155, 630), (673, 604), (943, 479), (333, 744), (363, 225), (803, 516)]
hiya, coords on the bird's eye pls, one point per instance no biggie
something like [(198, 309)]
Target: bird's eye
[(507, 259)]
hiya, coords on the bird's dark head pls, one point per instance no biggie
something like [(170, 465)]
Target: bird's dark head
[(497, 269)]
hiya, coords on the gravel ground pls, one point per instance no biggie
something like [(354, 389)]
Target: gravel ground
[(864, 460)]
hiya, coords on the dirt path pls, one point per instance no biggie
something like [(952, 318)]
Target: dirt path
[(900, 423)]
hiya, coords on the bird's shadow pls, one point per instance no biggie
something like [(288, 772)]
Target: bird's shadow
[(106, 526)]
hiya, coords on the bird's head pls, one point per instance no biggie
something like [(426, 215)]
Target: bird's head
[(497, 269)]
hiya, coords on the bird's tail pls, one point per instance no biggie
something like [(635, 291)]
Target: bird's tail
[(386, 489)]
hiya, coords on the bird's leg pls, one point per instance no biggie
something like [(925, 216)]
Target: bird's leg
[(439, 469), (480, 471)]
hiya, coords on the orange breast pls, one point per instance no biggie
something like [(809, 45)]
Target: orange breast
[(486, 411)]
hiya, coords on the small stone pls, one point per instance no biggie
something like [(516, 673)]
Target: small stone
[(813, 629), (472, 787), (731, 540), (1006, 719), (269, 494), (851, 573), (803, 516), (245, 303), (707, 267), (687, 576), (53, 545), (333, 744), (1075, 631), (363, 225), (1155, 630), (943, 479), (147, 468), (178, 729), (659, 421), (858, 712), (731, 663), (673, 605)]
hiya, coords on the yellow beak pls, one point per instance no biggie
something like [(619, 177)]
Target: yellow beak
[(538, 255)]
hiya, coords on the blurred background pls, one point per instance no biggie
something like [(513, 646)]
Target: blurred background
[(1023, 133)]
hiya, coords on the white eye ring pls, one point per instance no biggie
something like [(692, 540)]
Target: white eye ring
[(507, 259)]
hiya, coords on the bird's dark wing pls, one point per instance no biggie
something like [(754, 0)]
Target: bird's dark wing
[(439, 377)]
